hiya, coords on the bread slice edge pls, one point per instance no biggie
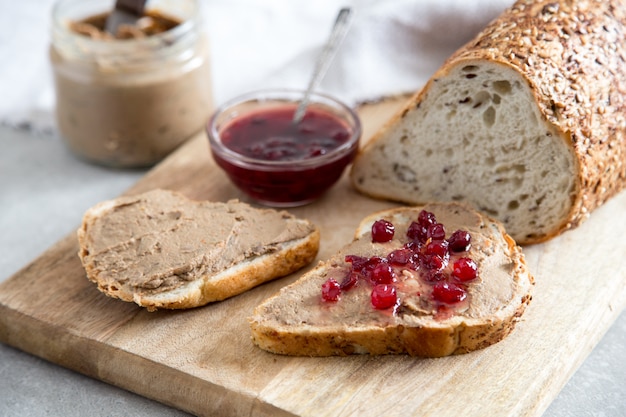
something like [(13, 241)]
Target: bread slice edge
[(425, 338), (286, 258)]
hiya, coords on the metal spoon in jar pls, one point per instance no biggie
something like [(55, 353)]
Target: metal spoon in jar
[(339, 30), (125, 12)]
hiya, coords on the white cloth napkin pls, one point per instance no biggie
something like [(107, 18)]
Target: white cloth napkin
[(393, 46)]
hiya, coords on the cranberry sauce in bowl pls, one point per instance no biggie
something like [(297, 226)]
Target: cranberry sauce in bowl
[(276, 162)]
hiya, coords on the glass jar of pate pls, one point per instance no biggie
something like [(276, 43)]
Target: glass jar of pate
[(129, 102)]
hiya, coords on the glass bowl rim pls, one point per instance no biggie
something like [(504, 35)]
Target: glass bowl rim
[(288, 95)]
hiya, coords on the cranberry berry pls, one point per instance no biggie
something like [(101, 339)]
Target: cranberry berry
[(465, 269), (439, 248), (436, 231), (331, 290), (460, 241), (448, 293), (351, 279), (383, 296), (433, 262), (417, 232), (426, 218), (382, 231), (399, 257), (372, 263), (358, 262), (382, 274), (434, 276)]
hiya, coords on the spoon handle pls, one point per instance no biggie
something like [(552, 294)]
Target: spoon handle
[(125, 12), (339, 30)]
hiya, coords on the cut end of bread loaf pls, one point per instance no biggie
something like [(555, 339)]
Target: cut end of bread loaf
[(476, 135), (297, 321)]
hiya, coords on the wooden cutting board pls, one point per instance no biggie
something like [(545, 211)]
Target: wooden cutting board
[(202, 360)]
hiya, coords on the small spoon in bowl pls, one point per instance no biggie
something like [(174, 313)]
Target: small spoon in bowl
[(339, 30)]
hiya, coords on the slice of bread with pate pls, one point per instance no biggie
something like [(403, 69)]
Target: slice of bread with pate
[(427, 281), (161, 250), (526, 122)]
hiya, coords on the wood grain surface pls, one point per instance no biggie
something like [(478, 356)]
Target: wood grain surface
[(203, 361)]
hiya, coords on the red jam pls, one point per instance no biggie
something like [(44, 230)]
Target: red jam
[(441, 265), (285, 163)]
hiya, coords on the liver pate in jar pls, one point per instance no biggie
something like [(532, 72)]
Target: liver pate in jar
[(129, 100)]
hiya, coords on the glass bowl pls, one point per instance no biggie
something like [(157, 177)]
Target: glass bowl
[(274, 161)]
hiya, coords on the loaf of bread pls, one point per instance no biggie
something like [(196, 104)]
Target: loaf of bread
[(342, 306), (161, 250), (526, 122)]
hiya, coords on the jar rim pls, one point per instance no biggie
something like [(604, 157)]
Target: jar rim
[(166, 41)]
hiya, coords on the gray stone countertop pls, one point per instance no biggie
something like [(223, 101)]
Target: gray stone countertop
[(44, 191)]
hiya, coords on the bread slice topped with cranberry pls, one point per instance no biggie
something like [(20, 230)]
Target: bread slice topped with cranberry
[(427, 281), (526, 122), (162, 250)]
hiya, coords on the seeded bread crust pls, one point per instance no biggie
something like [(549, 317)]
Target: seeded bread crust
[(569, 57), (278, 324), (254, 270)]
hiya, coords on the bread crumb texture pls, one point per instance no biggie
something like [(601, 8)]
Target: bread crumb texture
[(526, 122)]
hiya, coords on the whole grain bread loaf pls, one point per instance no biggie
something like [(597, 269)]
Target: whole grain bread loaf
[(162, 250), (526, 122), (301, 320)]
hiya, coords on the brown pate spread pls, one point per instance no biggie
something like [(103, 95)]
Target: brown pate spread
[(487, 294), (160, 240)]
